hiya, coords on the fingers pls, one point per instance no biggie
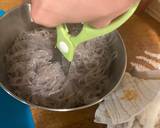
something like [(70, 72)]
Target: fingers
[(41, 15), (51, 13), (41, 18), (100, 23)]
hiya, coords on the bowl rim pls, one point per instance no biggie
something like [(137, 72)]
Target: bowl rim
[(74, 108)]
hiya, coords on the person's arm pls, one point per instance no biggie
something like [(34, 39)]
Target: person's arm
[(96, 12)]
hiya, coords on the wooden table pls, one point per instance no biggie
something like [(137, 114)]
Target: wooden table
[(140, 33)]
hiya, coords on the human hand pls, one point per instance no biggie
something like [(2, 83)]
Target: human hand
[(98, 13)]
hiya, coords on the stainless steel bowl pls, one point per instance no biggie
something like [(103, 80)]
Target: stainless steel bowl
[(17, 21)]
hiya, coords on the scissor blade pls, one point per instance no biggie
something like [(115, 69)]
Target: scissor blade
[(65, 64)]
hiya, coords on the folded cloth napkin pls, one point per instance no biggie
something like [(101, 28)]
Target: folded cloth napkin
[(134, 103)]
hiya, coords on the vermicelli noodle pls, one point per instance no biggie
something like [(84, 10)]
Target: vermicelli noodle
[(35, 76)]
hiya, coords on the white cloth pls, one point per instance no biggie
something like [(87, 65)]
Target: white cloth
[(134, 104)]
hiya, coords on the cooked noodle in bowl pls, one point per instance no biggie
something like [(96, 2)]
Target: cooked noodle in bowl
[(35, 76), (30, 73)]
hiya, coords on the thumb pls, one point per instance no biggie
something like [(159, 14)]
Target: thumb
[(100, 23)]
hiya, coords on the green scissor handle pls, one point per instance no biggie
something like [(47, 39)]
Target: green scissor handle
[(67, 43)]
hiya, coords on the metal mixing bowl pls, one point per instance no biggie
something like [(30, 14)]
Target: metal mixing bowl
[(17, 20)]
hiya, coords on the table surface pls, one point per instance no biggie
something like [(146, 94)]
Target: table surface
[(140, 33)]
